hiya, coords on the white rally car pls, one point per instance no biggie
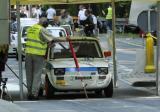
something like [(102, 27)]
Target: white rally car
[(93, 72)]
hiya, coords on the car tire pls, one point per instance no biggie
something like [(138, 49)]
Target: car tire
[(49, 89), (108, 91)]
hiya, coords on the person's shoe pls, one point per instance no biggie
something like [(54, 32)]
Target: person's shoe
[(40, 92), (35, 98), (32, 97)]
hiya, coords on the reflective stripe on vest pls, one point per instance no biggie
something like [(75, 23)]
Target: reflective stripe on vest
[(34, 45), (109, 14)]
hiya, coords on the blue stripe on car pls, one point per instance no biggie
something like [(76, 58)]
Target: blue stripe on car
[(81, 69)]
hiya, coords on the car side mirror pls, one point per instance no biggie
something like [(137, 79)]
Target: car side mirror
[(107, 53)]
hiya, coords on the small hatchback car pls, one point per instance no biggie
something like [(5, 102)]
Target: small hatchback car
[(93, 72)]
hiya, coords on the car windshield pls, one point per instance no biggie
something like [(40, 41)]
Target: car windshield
[(83, 49)]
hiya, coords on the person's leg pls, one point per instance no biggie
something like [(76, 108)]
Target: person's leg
[(2, 65), (0, 81), (87, 31), (29, 73), (0, 78), (110, 24), (1, 71), (38, 66), (91, 32), (2, 68)]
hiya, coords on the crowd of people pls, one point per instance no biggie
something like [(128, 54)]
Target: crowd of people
[(86, 19)]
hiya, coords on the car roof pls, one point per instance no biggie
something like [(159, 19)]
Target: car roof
[(55, 27), (77, 38), (28, 21)]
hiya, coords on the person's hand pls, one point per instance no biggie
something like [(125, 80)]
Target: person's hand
[(51, 44), (86, 25), (67, 38)]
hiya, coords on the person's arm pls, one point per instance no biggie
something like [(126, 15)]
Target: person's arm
[(103, 12), (54, 12), (78, 21), (71, 23)]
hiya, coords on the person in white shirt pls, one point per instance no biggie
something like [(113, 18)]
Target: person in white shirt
[(51, 12), (39, 12), (94, 18), (34, 12), (95, 30), (81, 15)]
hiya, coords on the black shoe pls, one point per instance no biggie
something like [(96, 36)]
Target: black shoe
[(40, 93), (32, 97)]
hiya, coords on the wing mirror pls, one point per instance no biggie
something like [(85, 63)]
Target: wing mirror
[(107, 53)]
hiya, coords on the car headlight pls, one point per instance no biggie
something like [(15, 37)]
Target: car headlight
[(102, 70), (59, 71)]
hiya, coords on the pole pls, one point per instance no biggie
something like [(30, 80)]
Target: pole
[(30, 10), (114, 46), (149, 21), (158, 48), (4, 22), (19, 50)]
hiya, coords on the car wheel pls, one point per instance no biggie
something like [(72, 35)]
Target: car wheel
[(108, 91), (49, 89)]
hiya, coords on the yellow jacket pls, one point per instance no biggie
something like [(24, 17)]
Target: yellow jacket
[(109, 14)]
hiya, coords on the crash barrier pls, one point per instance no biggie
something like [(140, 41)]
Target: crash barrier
[(149, 67)]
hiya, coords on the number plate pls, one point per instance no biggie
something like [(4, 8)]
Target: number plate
[(83, 77)]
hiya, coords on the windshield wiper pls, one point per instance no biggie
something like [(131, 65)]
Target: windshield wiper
[(62, 46)]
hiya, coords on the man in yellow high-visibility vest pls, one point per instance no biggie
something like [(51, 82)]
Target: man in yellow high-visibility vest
[(109, 17), (37, 39)]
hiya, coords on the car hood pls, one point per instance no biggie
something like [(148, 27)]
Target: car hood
[(82, 63)]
